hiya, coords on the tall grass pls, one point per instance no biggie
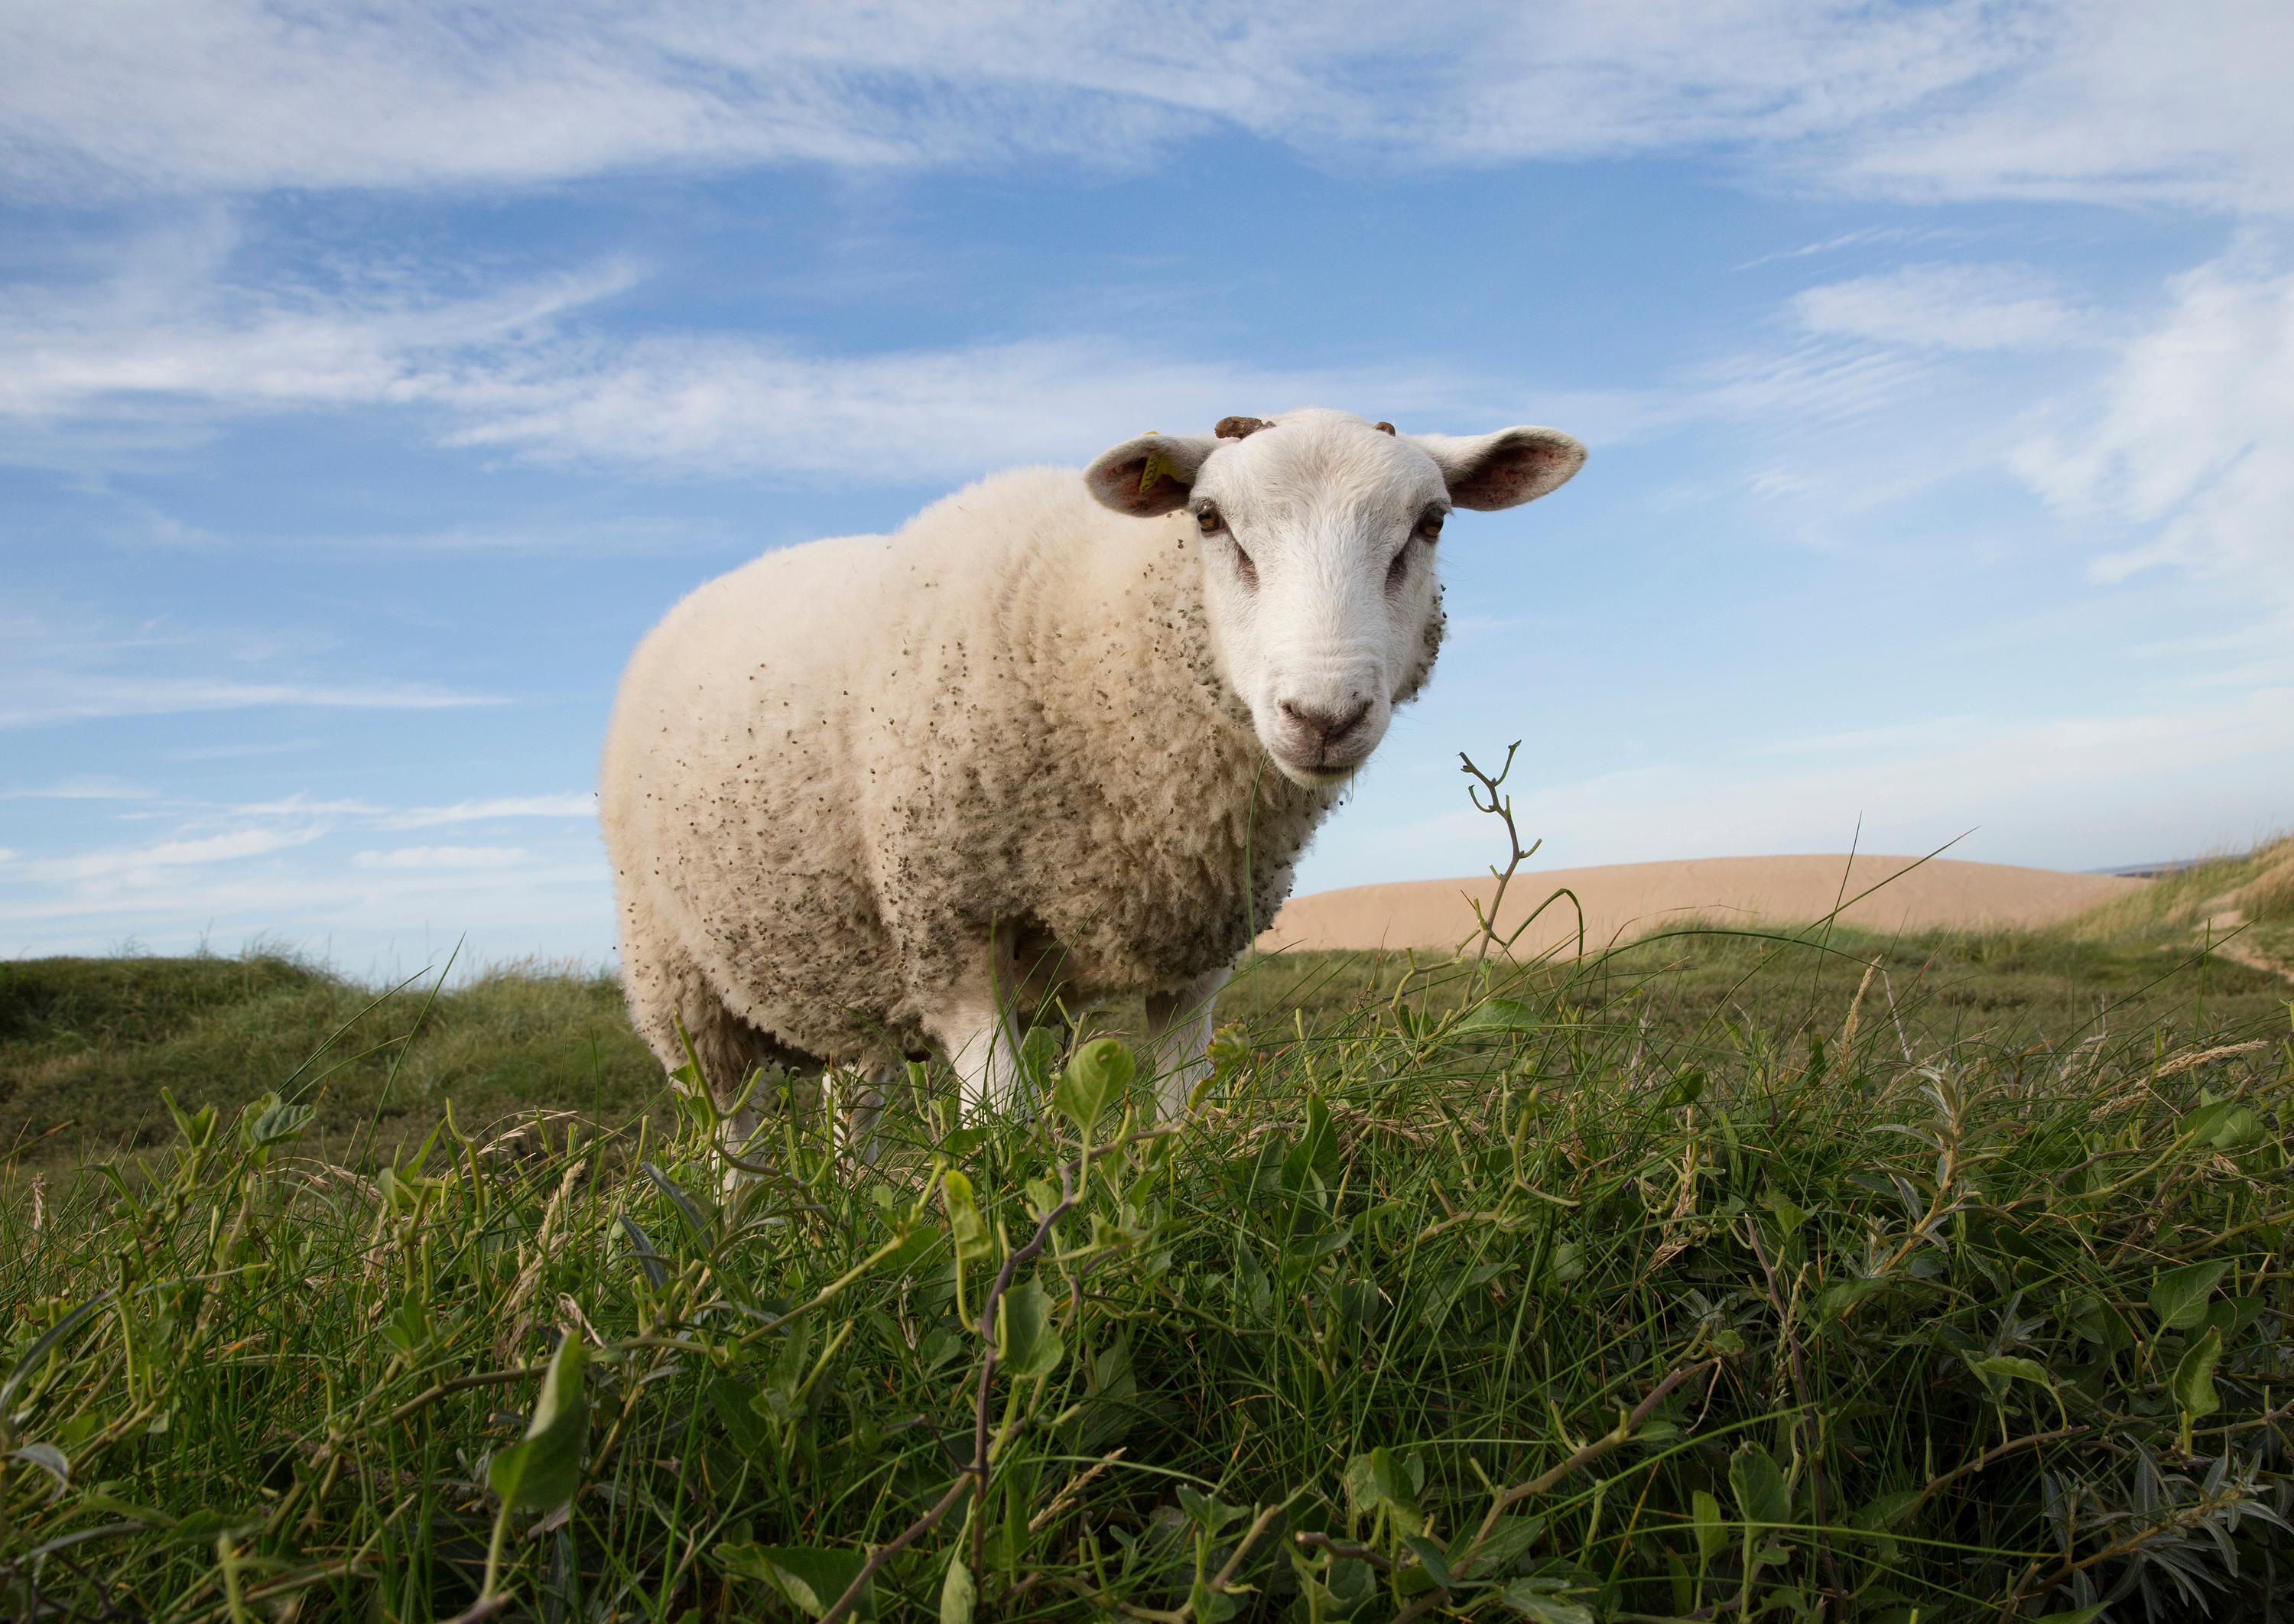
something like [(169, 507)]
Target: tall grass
[(2246, 896), (1719, 1278)]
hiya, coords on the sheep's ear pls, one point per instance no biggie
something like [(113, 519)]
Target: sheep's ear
[(1504, 469), (1149, 475)]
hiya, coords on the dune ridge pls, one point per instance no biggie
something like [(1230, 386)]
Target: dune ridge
[(1622, 900)]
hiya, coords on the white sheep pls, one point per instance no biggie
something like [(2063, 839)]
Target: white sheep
[(871, 795)]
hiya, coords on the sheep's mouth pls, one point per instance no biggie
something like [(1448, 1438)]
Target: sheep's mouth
[(1314, 774)]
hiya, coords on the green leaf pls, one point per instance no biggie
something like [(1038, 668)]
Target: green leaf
[(641, 1248), (1757, 1486), (2195, 1376), (1030, 1345), (1039, 1047), (1527, 1598), (49, 1459), (408, 1327), (1430, 1557), (1687, 1088), (2232, 1315), (196, 1127), (698, 1229), (1568, 1263), (268, 1121), (1501, 1015), (1839, 1297), (2202, 1124), (964, 1220), (807, 1578), (1317, 1150), (46, 1344), (1887, 1510), (958, 1596), (2237, 1130), (1380, 1481), (2099, 1323), (1210, 1606), (1712, 1528), (1789, 1215), (2179, 1297), (1098, 1077), (734, 1401), (1507, 1543), (2077, 1615), (2008, 1367), (542, 1469)]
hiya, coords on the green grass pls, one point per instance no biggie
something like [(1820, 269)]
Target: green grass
[(2250, 895), (86, 1045), (1716, 1278)]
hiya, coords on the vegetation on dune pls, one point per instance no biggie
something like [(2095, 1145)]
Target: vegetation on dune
[(88, 1044), (1723, 1276), (2243, 902)]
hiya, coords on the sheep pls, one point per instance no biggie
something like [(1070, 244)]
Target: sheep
[(867, 797)]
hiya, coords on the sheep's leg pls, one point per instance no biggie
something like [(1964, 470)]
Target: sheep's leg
[(1178, 1032), (976, 1025)]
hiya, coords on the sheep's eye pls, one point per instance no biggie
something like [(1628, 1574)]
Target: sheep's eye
[(1208, 516), (1430, 526)]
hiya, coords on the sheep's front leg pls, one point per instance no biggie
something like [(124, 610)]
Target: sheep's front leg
[(1178, 1032), (976, 1027)]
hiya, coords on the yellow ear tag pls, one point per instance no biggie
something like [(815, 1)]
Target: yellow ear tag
[(1150, 472)]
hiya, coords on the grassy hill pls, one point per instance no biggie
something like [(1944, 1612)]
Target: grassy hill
[(88, 1044), (1728, 1275)]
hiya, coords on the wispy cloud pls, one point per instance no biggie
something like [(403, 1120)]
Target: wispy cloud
[(577, 804), (36, 701), (1958, 99), (238, 752), (517, 374), (442, 858), (1944, 306), (147, 863), (87, 787), (2189, 442)]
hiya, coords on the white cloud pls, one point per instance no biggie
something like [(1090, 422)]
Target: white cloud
[(232, 752), (145, 863), (60, 663), (507, 373), (89, 786), (2189, 440), (1961, 98), (442, 858), (40, 699), (1947, 306), (2123, 102), (574, 804), (301, 805), (173, 325)]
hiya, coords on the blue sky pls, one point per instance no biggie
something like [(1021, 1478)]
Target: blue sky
[(371, 379)]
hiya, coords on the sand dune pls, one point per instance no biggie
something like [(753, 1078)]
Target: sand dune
[(1628, 899)]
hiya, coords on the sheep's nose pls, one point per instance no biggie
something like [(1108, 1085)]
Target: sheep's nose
[(1330, 726)]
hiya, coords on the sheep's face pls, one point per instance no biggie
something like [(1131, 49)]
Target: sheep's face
[(1317, 532)]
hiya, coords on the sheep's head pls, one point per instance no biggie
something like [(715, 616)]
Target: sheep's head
[(1317, 532)]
